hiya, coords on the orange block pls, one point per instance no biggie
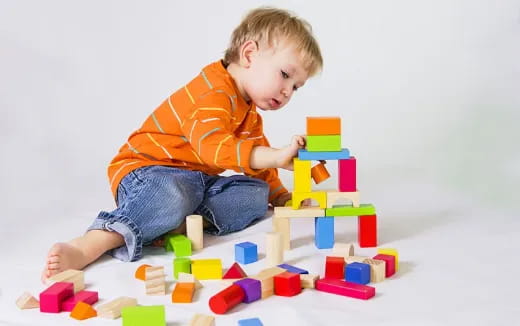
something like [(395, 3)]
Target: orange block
[(323, 126), (319, 173), (183, 292), (83, 311), (140, 272)]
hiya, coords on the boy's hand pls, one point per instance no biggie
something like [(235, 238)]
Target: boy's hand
[(286, 154), (282, 199)]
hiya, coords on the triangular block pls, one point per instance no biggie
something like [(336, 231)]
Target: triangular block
[(27, 301), (83, 311), (235, 271)]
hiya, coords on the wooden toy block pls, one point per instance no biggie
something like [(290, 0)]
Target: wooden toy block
[(53, 296), (234, 272), (250, 322), (323, 126), (27, 301), (377, 270), (246, 252), (345, 288), (323, 143), (226, 299), (392, 252), (207, 269), (183, 292), (181, 265), (319, 196), (389, 264), (306, 155), (302, 175), (334, 196), (188, 278), (144, 315), (69, 275), (308, 280), (194, 231), (83, 311), (266, 278), (179, 244), (267, 293), (367, 231), (202, 320), (140, 272), (334, 267), (89, 297), (112, 309), (288, 212), (319, 173), (349, 210), (357, 273), (343, 249), (155, 282), (324, 232), (283, 226), (293, 269), (274, 249), (347, 174), (355, 259), (287, 284), (252, 289)]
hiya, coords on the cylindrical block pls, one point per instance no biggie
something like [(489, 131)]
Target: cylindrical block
[(181, 264), (194, 231), (226, 299), (274, 249), (319, 173)]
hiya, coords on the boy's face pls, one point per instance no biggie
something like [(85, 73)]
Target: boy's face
[(273, 75)]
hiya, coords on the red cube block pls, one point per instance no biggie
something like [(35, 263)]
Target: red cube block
[(287, 284), (389, 263), (335, 267)]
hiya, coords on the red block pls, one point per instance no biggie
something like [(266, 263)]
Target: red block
[(335, 267), (347, 174), (235, 271), (389, 263), (367, 231), (89, 297), (226, 299), (287, 284), (345, 288), (52, 298)]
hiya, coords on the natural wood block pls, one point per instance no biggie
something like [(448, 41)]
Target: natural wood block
[(377, 270), (288, 212), (27, 301), (355, 259), (112, 309), (155, 282), (334, 196), (194, 231), (202, 320), (188, 278), (70, 275), (274, 249), (140, 272), (308, 280), (283, 226), (343, 249)]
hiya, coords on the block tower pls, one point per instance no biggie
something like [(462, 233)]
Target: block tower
[(324, 144)]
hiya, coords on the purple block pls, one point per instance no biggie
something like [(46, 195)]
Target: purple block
[(252, 289), (89, 297), (293, 269)]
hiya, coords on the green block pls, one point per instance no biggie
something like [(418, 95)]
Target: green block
[(143, 315), (324, 143), (348, 210), (181, 265), (178, 243)]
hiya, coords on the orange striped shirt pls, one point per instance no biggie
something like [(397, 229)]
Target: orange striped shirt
[(204, 126)]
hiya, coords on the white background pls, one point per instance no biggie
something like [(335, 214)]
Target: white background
[(428, 93)]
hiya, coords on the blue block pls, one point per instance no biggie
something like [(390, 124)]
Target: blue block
[(293, 269), (357, 273), (316, 156), (246, 252), (250, 322), (324, 232)]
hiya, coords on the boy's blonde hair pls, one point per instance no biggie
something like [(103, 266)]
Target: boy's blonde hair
[(270, 25)]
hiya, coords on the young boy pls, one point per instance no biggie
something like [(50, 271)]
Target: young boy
[(169, 168)]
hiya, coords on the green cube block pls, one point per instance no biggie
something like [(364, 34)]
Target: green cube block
[(349, 210), (179, 244), (181, 265), (324, 143), (143, 315)]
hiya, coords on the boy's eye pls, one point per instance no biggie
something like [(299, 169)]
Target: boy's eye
[(284, 74), (295, 88)]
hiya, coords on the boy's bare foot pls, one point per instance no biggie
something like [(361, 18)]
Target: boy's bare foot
[(63, 256)]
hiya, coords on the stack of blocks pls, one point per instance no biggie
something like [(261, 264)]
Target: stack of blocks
[(324, 143)]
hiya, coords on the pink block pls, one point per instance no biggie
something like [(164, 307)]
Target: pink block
[(345, 288), (347, 175), (389, 263), (89, 297), (51, 299)]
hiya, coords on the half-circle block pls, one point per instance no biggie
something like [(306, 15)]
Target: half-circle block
[(319, 196), (334, 196)]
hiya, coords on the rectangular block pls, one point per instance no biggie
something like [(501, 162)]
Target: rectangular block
[(392, 252), (302, 175), (347, 174), (155, 283), (324, 143), (143, 315), (51, 299), (349, 210), (70, 275), (202, 320), (283, 226), (357, 273), (377, 270), (334, 267), (389, 263), (324, 232), (89, 297), (112, 309), (207, 269), (308, 280), (250, 322), (266, 278), (323, 126), (183, 293), (287, 284), (288, 212), (252, 289), (306, 155), (293, 269), (181, 265), (344, 288), (367, 231)]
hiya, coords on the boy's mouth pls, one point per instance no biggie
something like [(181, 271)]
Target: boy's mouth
[(275, 104)]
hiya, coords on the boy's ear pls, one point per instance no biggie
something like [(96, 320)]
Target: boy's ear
[(247, 53)]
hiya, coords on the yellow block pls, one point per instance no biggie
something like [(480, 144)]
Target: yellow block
[(302, 175), (319, 196), (207, 269), (392, 252)]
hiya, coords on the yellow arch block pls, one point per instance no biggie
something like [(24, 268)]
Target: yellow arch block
[(319, 196)]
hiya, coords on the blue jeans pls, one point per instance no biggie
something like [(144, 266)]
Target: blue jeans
[(153, 200)]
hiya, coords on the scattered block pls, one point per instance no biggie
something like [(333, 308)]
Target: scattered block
[(89, 297), (345, 288), (181, 265), (343, 249), (246, 252), (349, 210), (234, 272), (250, 322), (179, 244), (287, 212), (324, 232), (70, 275), (323, 126), (266, 278), (194, 231), (319, 196), (202, 320), (144, 315), (188, 278), (355, 259), (252, 289), (392, 252), (377, 270), (357, 273), (319, 173), (112, 309), (302, 175), (53, 296), (334, 267), (389, 264), (347, 174), (308, 280), (226, 299), (293, 269), (183, 292), (334, 196), (155, 283), (83, 311), (27, 301), (140, 272), (207, 269), (305, 155), (367, 231), (283, 226), (287, 284), (274, 249), (323, 143)]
